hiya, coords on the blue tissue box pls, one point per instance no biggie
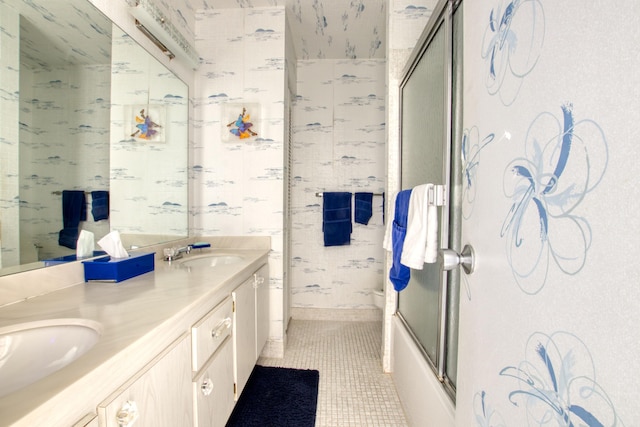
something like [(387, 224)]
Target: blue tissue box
[(106, 269)]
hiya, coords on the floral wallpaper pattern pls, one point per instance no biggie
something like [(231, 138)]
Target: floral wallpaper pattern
[(564, 160), (511, 46), (324, 29), (556, 384), (549, 175)]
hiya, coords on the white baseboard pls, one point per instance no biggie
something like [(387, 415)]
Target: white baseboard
[(343, 315)]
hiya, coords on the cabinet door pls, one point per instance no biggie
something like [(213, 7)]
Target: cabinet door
[(244, 333), (89, 420), (262, 308), (213, 390), (158, 396)]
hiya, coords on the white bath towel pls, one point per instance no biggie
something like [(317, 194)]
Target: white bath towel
[(421, 242), (387, 243)]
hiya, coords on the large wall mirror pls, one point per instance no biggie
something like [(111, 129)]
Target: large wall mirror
[(86, 115)]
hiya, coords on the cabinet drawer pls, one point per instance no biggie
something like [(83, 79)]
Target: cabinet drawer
[(157, 396), (213, 393), (210, 332)]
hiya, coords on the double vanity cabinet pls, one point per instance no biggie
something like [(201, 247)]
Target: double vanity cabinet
[(217, 330)]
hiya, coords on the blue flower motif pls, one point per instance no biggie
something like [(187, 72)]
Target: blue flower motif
[(564, 161), (485, 415), (511, 46), (470, 149), (557, 385)]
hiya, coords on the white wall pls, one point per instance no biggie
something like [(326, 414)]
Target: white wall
[(338, 145)]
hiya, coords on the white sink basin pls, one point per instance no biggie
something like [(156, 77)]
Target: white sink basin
[(31, 351), (211, 260)]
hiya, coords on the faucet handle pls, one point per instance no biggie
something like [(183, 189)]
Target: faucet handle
[(200, 245), (169, 252)]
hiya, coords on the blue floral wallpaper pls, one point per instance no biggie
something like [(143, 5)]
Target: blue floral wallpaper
[(548, 332), (324, 29)]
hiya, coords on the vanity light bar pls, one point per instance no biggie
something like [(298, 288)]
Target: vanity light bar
[(153, 24), (155, 40)]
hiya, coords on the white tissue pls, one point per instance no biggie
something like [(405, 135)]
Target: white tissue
[(112, 245), (85, 244)]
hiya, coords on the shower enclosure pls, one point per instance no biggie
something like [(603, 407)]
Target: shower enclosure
[(430, 135)]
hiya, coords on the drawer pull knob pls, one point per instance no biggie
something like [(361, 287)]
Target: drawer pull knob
[(128, 414), (220, 327), (207, 387)]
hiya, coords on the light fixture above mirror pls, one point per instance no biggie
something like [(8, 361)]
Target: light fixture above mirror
[(159, 29)]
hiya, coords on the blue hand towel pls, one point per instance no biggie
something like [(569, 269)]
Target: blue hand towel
[(336, 218), (100, 205), (400, 274), (74, 208), (68, 237), (363, 207)]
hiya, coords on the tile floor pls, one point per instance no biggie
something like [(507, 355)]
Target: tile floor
[(353, 390)]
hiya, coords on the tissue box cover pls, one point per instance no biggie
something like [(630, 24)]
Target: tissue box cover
[(106, 269)]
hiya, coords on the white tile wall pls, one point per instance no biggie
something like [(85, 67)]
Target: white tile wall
[(149, 176), (338, 145), (237, 184)]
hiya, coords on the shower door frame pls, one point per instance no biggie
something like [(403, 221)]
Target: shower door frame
[(441, 20)]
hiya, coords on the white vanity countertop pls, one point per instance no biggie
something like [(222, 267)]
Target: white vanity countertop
[(140, 317)]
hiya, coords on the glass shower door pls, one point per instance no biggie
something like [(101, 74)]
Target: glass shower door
[(428, 306), (424, 99)]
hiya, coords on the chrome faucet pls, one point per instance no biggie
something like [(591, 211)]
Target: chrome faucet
[(171, 254), (186, 249)]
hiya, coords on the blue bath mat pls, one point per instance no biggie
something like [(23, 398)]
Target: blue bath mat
[(279, 397)]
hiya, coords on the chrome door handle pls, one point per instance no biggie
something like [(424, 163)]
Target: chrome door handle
[(450, 259)]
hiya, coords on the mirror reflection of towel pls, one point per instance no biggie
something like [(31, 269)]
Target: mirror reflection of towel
[(68, 237), (74, 210), (336, 218), (100, 205)]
